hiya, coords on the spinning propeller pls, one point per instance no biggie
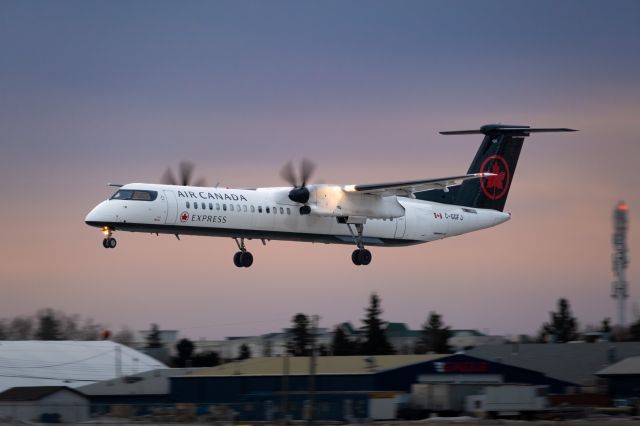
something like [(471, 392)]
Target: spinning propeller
[(300, 192), (185, 172)]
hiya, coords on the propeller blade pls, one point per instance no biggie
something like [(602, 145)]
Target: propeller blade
[(168, 178), (186, 169), (288, 174), (306, 170)]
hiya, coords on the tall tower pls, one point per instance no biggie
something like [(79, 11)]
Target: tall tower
[(620, 260)]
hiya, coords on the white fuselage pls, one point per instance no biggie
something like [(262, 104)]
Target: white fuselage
[(268, 213)]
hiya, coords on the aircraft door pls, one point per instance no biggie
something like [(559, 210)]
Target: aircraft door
[(401, 225), (171, 208)]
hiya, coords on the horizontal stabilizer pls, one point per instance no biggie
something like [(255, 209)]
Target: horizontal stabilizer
[(504, 129)]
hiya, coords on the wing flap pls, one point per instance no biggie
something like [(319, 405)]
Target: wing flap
[(406, 188)]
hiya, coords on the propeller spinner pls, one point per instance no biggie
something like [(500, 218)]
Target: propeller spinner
[(300, 192)]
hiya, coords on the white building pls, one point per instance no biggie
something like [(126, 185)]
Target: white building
[(44, 404), (68, 363)]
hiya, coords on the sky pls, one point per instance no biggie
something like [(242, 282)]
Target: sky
[(93, 92)]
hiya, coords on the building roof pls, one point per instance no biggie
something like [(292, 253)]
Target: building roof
[(32, 393), (68, 363), (628, 366), (154, 382), (324, 365), (572, 362)]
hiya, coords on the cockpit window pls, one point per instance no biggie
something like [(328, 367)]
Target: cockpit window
[(135, 194)]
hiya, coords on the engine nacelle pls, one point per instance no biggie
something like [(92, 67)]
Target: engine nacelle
[(333, 200)]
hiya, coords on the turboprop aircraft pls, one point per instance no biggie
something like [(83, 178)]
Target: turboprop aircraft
[(382, 214)]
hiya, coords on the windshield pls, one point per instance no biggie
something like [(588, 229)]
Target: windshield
[(135, 194)]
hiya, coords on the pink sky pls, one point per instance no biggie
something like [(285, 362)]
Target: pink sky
[(366, 109)]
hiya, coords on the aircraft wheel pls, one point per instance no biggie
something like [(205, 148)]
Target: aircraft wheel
[(355, 257), (236, 259), (111, 242), (246, 259), (105, 243), (364, 256)]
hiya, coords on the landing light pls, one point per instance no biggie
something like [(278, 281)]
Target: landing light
[(105, 230), (349, 188)]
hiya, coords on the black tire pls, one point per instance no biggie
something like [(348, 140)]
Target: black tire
[(246, 259), (355, 257), (105, 243), (112, 242), (236, 259), (364, 257)]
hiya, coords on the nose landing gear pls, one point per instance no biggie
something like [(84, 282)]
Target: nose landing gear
[(108, 241), (242, 258)]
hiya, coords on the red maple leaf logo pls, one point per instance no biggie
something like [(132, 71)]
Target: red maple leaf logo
[(496, 181), (184, 216)]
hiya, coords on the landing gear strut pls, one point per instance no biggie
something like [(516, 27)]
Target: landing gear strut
[(360, 256), (108, 241), (242, 258)]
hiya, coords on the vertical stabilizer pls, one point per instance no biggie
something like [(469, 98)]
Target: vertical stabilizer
[(498, 154)]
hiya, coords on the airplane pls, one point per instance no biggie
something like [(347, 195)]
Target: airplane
[(383, 214)]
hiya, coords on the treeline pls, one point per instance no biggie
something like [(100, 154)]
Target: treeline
[(51, 324)]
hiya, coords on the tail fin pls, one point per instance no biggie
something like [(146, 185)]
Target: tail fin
[(498, 154)]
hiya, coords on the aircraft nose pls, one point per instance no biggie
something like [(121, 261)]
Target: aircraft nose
[(98, 216)]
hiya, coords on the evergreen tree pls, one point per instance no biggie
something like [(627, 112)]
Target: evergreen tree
[(340, 344), (376, 342), (185, 349), (300, 344), (153, 338), (634, 331), (205, 359), (563, 326), (49, 326), (245, 352), (434, 335)]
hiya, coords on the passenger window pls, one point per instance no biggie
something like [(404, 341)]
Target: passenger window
[(231, 207), (259, 209), (288, 210), (217, 206), (281, 210), (210, 206), (204, 206), (224, 207), (244, 208), (188, 205), (195, 205), (267, 210), (253, 209), (238, 206)]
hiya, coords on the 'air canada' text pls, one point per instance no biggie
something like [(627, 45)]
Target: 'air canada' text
[(211, 196)]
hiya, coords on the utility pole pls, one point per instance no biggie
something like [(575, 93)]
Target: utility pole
[(284, 409), (118, 354), (312, 369)]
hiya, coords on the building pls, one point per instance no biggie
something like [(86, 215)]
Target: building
[(44, 404), (572, 362), (622, 378), (68, 363), (344, 387), (468, 339)]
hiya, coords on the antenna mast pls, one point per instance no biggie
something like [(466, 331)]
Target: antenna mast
[(620, 261)]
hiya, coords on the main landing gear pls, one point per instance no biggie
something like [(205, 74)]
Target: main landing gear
[(108, 241), (242, 258), (360, 256)]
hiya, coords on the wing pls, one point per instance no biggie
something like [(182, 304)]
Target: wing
[(409, 187)]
